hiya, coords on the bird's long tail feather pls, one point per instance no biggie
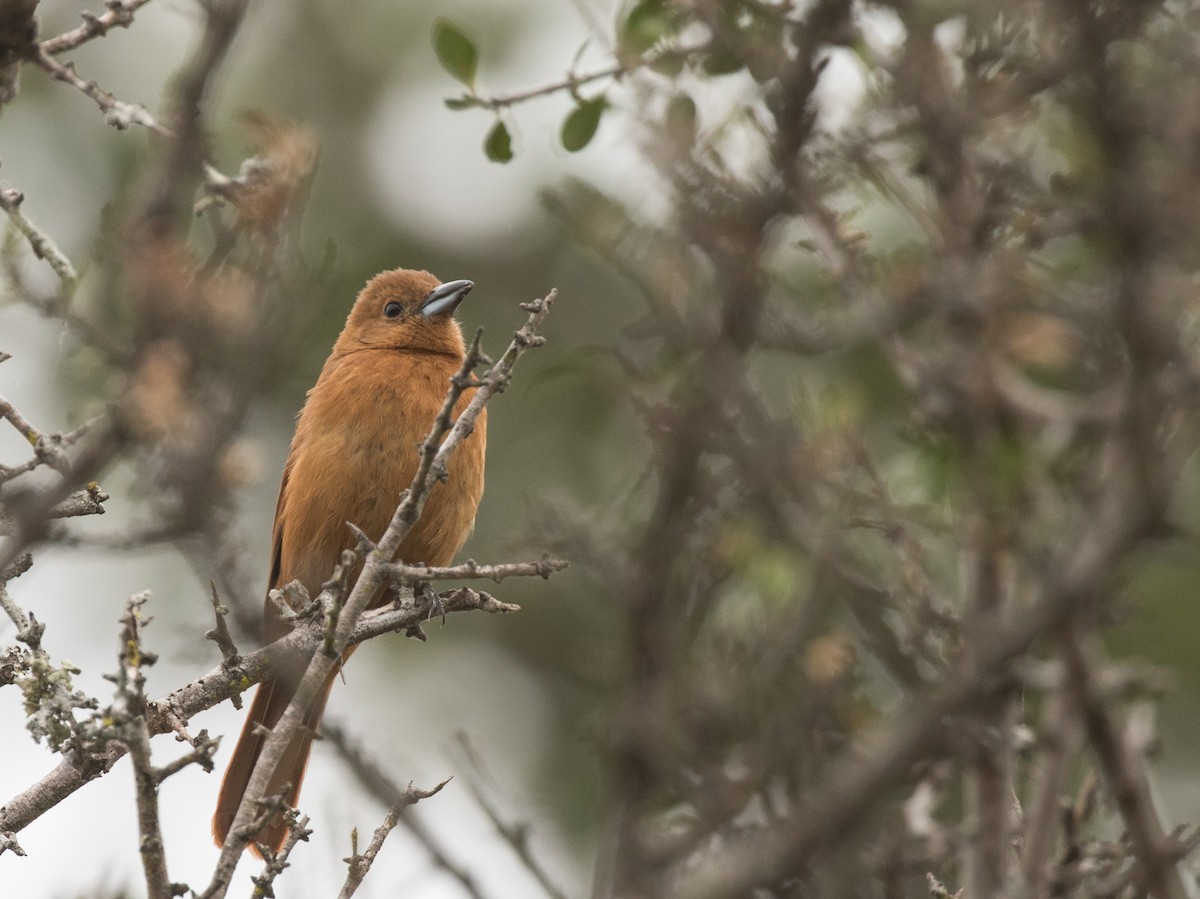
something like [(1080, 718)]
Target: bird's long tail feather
[(270, 701)]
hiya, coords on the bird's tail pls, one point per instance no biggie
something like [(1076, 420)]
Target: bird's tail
[(270, 701)]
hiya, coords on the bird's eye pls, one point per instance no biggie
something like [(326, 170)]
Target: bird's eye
[(392, 309)]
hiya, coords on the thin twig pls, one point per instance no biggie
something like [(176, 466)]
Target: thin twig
[(408, 575), (15, 613), (220, 634), (379, 785), (119, 14), (297, 832), (131, 700), (89, 501), (572, 81), (360, 865), (56, 306), (118, 113), (40, 242)]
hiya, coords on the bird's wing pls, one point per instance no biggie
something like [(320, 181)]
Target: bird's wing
[(273, 626)]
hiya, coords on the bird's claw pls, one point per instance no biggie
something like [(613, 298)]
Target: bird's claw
[(432, 600)]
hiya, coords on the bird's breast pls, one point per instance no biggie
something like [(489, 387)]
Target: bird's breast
[(356, 450)]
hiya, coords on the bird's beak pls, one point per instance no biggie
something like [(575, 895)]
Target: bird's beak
[(444, 299)]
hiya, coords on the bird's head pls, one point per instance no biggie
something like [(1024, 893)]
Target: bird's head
[(405, 310)]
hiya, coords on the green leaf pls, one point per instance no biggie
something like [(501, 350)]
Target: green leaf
[(580, 126), (455, 51), (647, 23), (457, 103), (498, 145)]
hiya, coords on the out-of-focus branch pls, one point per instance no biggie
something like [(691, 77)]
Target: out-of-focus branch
[(1127, 780), (573, 80), (409, 575), (514, 833), (117, 113), (56, 306), (40, 242), (17, 30), (117, 14), (860, 782)]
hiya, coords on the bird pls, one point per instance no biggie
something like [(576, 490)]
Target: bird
[(355, 449)]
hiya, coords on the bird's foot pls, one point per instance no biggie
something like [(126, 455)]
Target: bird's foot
[(432, 601)]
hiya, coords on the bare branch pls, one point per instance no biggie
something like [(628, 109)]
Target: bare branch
[(220, 634), (360, 865), (118, 14), (382, 787), (131, 697), (277, 862), (118, 113), (39, 241), (216, 686), (403, 574)]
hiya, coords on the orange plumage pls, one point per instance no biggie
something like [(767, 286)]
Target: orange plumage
[(354, 451)]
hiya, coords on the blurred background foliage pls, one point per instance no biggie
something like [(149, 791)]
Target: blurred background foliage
[(402, 180)]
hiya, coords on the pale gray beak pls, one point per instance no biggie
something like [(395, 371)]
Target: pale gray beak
[(443, 300)]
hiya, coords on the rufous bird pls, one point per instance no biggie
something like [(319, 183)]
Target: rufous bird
[(354, 451)]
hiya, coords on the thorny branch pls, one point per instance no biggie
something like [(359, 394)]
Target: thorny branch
[(216, 686), (277, 862), (93, 745), (360, 864), (377, 782), (131, 682)]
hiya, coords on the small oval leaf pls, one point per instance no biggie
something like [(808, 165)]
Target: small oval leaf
[(646, 23), (457, 103), (580, 126), (498, 145), (455, 51)]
